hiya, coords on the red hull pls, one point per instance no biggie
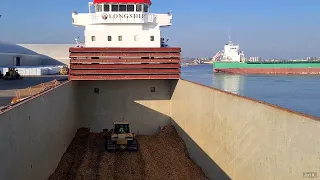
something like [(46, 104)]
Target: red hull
[(269, 70)]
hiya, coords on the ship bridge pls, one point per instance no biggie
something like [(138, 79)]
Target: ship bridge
[(121, 23)]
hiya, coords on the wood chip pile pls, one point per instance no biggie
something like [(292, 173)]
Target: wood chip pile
[(163, 156)]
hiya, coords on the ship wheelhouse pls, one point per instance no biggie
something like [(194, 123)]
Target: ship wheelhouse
[(121, 7)]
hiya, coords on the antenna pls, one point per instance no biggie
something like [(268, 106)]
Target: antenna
[(229, 35)]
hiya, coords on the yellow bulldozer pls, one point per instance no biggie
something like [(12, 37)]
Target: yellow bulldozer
[(64, 70), (121, 138), (12, 74)]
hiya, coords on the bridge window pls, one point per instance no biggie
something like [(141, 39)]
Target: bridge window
[(106, 8), (93, 38), (99, 8), (145, 8), (138, 7), (151, 38), (119, 38), (130, 8), (115, 7), (125, 8), (122, 8), (109, 38)]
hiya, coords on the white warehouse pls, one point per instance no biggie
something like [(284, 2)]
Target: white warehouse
[(28, 62), (14, 55)]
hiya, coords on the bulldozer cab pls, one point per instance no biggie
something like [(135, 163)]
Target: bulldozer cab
[(121, 128), (64, 70)]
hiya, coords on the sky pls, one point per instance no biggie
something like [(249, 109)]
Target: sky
[(265, 28)]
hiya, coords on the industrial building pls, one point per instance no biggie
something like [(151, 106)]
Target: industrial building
[(14, 55), (33, 59), (22, 55)]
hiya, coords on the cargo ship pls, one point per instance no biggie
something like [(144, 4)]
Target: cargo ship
[(61, 130), (232, 60)]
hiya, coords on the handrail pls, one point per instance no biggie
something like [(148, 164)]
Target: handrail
[(33, 90)]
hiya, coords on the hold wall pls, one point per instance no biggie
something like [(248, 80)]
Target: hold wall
[(233, 137), (131, 100), (35, 134)]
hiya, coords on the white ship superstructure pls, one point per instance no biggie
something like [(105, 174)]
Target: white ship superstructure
[(121, 23), (231, 53)]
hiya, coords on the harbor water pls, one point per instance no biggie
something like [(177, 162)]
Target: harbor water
[(296, 92)]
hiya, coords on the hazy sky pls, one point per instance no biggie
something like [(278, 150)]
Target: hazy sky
[(267, 28)]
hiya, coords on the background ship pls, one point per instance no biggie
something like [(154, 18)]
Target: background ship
[(232, 60)]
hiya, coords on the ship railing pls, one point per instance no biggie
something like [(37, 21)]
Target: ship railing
[(22, 94)]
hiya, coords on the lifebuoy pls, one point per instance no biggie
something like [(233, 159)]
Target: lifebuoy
[(104, 16)]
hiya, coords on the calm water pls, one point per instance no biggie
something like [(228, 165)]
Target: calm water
[(299, 93)]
